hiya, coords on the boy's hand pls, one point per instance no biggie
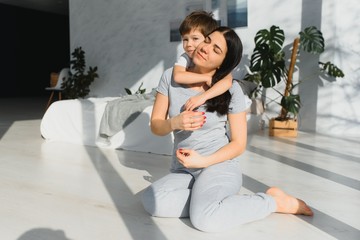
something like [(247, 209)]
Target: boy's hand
[(195, 102), (210, 76)]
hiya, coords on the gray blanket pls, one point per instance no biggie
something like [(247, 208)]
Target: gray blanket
[(121, 112)]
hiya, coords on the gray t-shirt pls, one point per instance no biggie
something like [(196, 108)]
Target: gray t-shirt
[(185, 61), (213, 135)]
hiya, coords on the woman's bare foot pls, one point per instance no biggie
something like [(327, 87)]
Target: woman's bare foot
[(288, 204)]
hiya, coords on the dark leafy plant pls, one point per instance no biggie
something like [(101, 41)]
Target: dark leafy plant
[(268, 64), (268, 58), (139, 91), (78, 84)]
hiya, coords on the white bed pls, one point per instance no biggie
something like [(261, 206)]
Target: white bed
[(79, 121)]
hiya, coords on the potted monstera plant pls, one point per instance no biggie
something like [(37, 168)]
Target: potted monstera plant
[(268, 67)]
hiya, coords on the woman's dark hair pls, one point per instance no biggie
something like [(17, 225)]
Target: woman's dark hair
[(220, 104)]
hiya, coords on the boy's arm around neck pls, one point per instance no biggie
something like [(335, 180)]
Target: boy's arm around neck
[(182, 76)]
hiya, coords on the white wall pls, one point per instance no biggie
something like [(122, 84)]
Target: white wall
[(129, 42), (339, 102)]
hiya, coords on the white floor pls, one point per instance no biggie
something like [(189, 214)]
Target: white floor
[(59, 191)]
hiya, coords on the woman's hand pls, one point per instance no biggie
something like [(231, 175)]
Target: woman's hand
[(190, 158), (188, 120)]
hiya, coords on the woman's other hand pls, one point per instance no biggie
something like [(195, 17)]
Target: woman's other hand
[(190, 158), (188, 120)]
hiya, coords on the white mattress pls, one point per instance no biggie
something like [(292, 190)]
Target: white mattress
[(78, 121)]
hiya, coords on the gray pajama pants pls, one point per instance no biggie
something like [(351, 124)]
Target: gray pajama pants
[(210, 198)]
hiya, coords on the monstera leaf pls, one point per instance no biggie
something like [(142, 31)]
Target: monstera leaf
[(273, 38), (312, 41), (291, 104), (331, 69), (268, 58)]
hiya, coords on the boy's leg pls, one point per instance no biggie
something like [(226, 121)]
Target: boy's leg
[(216, 205), (169, 196)]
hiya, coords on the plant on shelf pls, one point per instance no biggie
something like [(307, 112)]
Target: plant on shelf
[(268, 68), (78, 84)]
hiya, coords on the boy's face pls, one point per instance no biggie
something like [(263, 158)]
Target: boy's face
[(191, 40)]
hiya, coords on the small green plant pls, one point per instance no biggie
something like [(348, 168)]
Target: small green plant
[(268, 64), (78, 84), (138, 91)]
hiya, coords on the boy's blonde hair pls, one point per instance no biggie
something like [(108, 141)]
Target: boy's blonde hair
[(200, 20)]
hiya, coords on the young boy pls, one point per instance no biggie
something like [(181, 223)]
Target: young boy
[(195, 27)]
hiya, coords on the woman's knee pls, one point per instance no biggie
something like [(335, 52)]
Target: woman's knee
[(204, 223)]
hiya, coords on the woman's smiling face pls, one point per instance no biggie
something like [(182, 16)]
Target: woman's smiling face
[(210, 54)]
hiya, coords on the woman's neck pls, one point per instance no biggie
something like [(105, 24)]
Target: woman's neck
[(200, 70)]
